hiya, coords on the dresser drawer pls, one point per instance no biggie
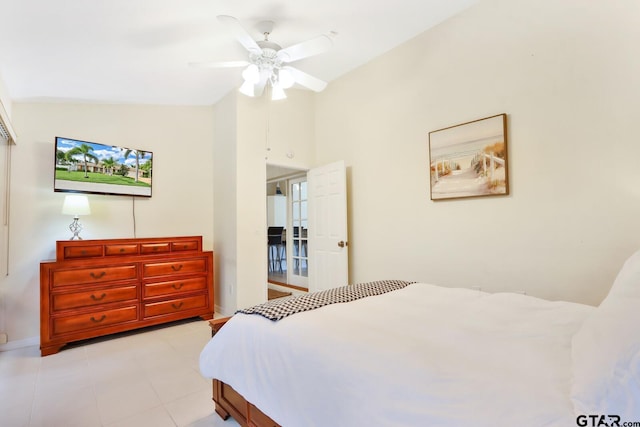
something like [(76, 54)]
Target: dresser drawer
[(184, 266), (93, 275), (154, 248), (174, 286), (175, 305), (112, 250), (98, 319), (186, 245), (73, 252), (94, 297)]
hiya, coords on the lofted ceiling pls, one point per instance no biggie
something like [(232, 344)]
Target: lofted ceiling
[(137, 51)]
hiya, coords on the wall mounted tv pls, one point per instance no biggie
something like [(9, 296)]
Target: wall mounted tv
[(89, 167)]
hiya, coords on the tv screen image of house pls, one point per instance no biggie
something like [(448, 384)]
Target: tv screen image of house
[(90, 167)]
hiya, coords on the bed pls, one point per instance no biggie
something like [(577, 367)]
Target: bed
[(424, 355)]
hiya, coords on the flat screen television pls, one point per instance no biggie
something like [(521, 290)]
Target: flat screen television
[(89, 167)]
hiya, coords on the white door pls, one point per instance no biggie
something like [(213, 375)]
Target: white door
[(327, 237)]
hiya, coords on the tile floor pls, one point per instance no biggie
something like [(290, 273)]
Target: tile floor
[(144, 378)]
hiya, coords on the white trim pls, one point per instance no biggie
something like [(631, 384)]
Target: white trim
[(6, 124), (14, 345), (293, 175)]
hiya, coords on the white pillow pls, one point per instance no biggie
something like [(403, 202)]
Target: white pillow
[(606, 351)]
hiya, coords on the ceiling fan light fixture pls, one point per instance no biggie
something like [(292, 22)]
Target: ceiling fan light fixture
[(285, 78), (268, 61), (248, 89), (251, 74), (277, 93)]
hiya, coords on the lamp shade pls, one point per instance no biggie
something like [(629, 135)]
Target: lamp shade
[(76, 205), (247, 88), (251, 74)]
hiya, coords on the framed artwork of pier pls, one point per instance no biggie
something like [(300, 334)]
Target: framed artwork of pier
[(469, 159)]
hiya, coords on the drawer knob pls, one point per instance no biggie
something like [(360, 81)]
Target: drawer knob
[(94, 320), (178, 268), (177, 306), (177, 287), (99, 275), (100, 298), (121, 250)]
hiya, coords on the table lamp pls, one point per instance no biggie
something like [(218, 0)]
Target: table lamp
[(76, 205)]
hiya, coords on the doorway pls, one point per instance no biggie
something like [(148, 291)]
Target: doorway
[(313, 250), (287, 226)]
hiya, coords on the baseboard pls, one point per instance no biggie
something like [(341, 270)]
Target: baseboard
[(14, 345), (294, 290), (219, 312), (286, 285)]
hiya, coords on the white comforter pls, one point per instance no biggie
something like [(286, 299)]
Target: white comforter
[(420, 356)]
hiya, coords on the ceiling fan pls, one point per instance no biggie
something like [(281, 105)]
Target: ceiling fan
[(267, 64)]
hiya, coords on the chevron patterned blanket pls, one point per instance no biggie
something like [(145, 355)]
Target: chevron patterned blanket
[(282, 307)]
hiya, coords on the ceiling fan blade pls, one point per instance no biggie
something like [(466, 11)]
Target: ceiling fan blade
[(306, 80), (219, 64), (240, 33), (311, 47)]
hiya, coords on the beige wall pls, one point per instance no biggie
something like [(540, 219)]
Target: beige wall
[(181, 139), (225, 185), (292, 130), (565, 74), (252, 201), (278, 132)]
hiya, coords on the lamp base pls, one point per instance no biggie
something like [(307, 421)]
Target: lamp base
[(75, 228)]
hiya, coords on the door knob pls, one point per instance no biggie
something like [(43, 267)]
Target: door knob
[(342, 243)]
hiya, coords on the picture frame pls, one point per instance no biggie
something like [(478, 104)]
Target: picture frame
[(469, 159)]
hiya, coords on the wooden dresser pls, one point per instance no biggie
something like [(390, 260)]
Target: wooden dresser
[(99, 287)]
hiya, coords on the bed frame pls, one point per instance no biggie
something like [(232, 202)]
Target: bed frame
[(230, 403)]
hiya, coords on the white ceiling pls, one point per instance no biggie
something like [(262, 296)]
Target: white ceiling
[(137, 51)]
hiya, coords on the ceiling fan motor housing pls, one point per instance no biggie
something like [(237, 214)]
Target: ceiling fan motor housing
[(269, 63), (267, 60)]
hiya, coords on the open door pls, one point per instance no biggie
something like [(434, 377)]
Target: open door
[(327, 236)]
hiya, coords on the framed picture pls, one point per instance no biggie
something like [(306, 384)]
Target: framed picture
[(469, 159)]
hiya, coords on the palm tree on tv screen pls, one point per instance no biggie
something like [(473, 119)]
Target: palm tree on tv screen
[(109, 165), (61, 157), (139, 154), (85, 151), (146, 168)]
